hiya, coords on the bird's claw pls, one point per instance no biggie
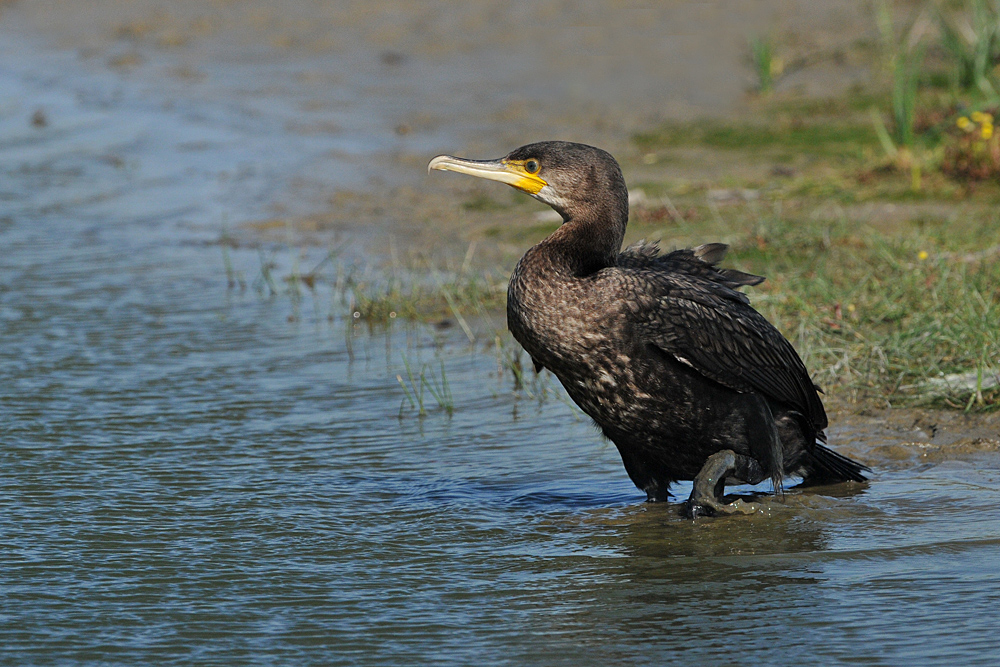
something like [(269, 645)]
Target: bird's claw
[(695, 508)]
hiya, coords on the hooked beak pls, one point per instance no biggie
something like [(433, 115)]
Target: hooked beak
[(503, 170)]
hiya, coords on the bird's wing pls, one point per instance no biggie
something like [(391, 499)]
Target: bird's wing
[(689, 310), (701, 262)]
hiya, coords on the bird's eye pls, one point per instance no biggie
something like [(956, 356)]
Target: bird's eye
[(531, 166)]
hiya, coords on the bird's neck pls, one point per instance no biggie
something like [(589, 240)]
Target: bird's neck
[(588, 242)]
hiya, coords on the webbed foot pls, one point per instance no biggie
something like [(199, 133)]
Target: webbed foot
[(695, 508), (710, 483)]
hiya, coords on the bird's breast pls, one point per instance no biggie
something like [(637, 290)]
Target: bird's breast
[(576, 329), (554, 318)]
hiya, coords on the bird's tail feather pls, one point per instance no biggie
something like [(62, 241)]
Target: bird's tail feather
[(826, 466)]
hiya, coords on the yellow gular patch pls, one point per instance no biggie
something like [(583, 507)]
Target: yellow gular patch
[(530, 183)]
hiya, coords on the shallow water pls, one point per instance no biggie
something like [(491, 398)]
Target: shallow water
[(196, 475)]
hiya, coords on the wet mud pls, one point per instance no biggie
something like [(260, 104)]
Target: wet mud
[(900, 439)]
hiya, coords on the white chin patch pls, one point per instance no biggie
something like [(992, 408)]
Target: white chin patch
[(548, 195)]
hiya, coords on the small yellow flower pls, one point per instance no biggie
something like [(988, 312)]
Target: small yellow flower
[(963, 123), (987, 130), (922, 255), (850, 308), (977, 116)]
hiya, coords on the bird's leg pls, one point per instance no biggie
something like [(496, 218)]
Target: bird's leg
[(710, 484), (657, 492)]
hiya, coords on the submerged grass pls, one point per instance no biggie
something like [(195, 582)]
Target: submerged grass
[(377, 300), (378, 295), (415, 384)]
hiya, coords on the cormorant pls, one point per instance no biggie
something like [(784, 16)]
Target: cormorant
[(661, 351)]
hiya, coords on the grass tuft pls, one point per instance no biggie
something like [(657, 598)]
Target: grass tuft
[(972, 40), (765, 64), (414, 386), (886, 318)]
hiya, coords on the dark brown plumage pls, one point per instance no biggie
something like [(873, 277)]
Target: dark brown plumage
[(661, 351)]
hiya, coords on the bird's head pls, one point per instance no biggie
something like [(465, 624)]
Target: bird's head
[(578, 181)]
